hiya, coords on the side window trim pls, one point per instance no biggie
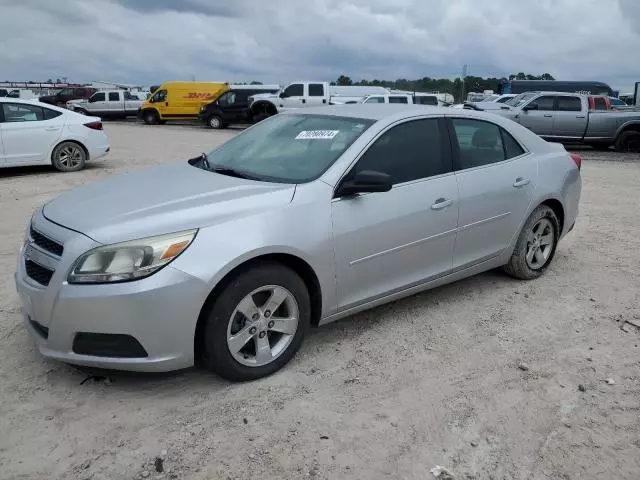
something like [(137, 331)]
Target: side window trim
[(455, 148), (446, 152)]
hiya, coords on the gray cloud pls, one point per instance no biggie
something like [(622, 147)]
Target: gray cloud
[(286, 40)]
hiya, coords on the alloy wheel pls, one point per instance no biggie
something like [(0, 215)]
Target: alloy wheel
[(262, 325), (540, 243)]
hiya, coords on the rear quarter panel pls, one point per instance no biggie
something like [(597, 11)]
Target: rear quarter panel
[(610, 123)]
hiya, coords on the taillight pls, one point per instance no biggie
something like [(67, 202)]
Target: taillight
[(94, 125), (577, 159)]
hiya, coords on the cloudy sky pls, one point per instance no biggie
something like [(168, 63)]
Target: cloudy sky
[(278, 41)]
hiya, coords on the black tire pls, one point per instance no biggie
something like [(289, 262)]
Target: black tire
[(518, 266), (69, 157), (628, 142), (215, 122), (151, 117), (81, 111), (216, 353)]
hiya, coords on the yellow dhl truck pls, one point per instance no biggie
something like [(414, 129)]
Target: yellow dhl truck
[(179, 101)]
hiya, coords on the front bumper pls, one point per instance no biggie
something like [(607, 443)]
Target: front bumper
[(160, 312)]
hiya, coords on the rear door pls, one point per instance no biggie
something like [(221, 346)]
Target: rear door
[(496, 182), (115, 105), (540, 120), (316, 95), (29, 132), (570, 117)]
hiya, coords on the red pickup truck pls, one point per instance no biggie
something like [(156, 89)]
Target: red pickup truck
[(61, 98)]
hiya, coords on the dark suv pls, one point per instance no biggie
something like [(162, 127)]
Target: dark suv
[(72, 93), (230, 107)]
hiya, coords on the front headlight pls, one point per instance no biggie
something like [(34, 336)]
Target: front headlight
[(132, 260)]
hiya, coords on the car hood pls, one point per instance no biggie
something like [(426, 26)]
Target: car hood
[(160, 200)]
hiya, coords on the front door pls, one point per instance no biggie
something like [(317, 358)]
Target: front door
[(27, 136), (570, 118), (293, 96), (387, 242), (540, 120), (496, 182), (98, 104)]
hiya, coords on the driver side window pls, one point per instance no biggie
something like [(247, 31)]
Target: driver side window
[(159, 96), (406, 152), (545, 103), (294, 90)]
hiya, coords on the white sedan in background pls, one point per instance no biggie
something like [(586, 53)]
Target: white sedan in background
[(34, 133)]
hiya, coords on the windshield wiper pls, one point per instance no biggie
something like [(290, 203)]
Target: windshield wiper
[(232, 172)]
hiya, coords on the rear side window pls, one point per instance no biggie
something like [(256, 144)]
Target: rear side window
[(483, 143), (570, 104), (398, 100), (406, 152), (49, 114), (316, 90), (114, 96)]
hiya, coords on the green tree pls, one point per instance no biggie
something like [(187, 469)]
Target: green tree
[(344, 80)]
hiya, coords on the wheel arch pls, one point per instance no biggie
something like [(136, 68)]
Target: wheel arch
[(296, 263), (558, 208), (263, 105), (630, 126)]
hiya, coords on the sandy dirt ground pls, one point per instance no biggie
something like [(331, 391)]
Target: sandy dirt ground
[(431, 380)]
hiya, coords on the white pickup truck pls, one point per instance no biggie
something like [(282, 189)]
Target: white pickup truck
[(108, 104), (308, 94)]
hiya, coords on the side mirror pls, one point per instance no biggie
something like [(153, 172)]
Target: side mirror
[(365, 182), (531, 106), (283, 95), (91, 100)]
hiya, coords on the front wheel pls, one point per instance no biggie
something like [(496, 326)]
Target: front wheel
[(151, 117), (215, 122), (257, 322), (536, 245)]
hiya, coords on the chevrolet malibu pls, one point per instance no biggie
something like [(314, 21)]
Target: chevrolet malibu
[(228, 258)]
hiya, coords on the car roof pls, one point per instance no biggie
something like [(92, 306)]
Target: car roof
[(33, 101)]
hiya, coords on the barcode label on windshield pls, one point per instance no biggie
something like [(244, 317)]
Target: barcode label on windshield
[(317, 134)]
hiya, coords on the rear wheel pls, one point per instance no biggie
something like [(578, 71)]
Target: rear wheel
[(536, 245), (628, 142), (68, 157), (151, 117), (257, 322)]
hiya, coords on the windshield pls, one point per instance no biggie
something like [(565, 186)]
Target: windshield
[(288, 148), (520, 99)]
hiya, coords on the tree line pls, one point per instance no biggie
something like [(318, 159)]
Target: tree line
[(443, 85)]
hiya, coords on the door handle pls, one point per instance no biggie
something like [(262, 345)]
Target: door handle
[(166, 104), (521, 182), (324, 100), (441, 203), (51, 129), (579, 116), (303, 101), (548, 115)]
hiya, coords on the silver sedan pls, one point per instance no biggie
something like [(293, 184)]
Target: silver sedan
[(310, 216)]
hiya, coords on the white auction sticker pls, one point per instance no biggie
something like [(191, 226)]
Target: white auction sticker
[(317, 134)]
